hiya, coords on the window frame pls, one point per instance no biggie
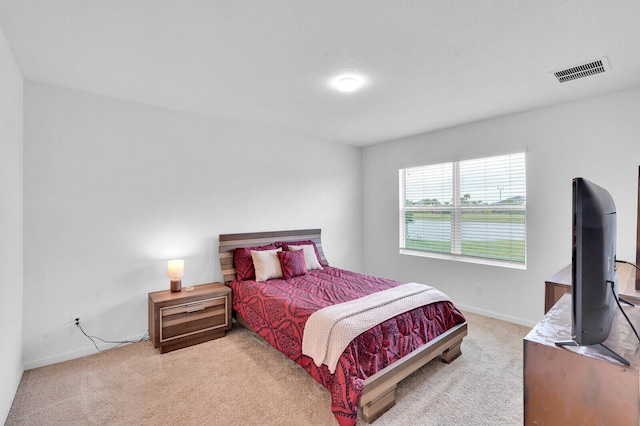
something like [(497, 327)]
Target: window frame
[(457, 209)]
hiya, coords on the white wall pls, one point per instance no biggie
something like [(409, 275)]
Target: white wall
[(598, 139), (114, 189), (11, 193)]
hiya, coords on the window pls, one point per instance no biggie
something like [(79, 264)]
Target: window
[(473, 210)]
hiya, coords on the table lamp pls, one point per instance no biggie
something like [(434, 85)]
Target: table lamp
[(175, 271)]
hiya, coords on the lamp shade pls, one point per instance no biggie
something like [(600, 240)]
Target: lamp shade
[(175, 268)]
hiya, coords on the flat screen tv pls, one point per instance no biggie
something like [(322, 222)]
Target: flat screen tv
[(594, 285)]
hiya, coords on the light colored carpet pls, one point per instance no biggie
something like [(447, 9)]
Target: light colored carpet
[(241, 380)]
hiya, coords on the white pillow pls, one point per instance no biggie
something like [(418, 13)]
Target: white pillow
[(266, 264), (310, 258)]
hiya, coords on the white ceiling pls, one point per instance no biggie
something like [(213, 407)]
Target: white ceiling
[(427, 64)]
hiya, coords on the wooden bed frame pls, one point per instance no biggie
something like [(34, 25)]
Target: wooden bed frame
[(378, 395)]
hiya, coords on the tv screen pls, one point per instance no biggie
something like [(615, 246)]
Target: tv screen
[(594, 284), (593, 263)]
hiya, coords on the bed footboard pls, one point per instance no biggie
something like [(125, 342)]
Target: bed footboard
[(379, 393)]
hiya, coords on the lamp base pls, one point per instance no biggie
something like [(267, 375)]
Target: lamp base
[(176, 284)]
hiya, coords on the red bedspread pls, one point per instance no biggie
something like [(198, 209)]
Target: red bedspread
[(278, 310)]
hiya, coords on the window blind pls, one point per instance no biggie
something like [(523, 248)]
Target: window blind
[(467, 209)]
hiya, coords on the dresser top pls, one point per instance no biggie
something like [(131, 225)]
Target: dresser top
[(555, 326)]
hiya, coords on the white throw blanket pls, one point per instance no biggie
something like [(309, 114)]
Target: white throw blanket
[(329, 330)]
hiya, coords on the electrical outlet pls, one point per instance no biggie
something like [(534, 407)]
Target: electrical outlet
[(479, 289)]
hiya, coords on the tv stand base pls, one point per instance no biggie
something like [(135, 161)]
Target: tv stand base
[(599, 347)]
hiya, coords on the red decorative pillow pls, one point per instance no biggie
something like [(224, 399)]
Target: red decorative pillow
[(285, 246), (292, 263), (244, 263)]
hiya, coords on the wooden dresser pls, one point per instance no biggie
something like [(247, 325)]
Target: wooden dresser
[(579, 385), (185, 318), (560, 283)]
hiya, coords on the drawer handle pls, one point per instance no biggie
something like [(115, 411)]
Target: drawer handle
[(195, 309)]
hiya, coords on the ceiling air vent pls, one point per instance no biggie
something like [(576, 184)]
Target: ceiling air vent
[(583, 70)]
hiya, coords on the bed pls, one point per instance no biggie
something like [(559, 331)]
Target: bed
[(366, 374)]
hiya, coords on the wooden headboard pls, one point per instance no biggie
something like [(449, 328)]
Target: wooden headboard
[(229, 242)]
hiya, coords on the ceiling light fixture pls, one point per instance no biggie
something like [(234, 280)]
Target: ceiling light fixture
[(347, 83)]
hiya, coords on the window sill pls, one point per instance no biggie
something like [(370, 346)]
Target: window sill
[(467, 259)]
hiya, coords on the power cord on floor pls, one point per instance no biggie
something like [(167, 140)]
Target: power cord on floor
[(119, 343)]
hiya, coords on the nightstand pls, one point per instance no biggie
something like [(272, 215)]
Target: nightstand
[(185, 318)]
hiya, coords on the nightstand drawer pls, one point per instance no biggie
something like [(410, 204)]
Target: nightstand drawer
[(187, 308), (191, 318)]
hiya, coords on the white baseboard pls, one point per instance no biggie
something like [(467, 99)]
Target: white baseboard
[(77, 353), (491, 314)]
